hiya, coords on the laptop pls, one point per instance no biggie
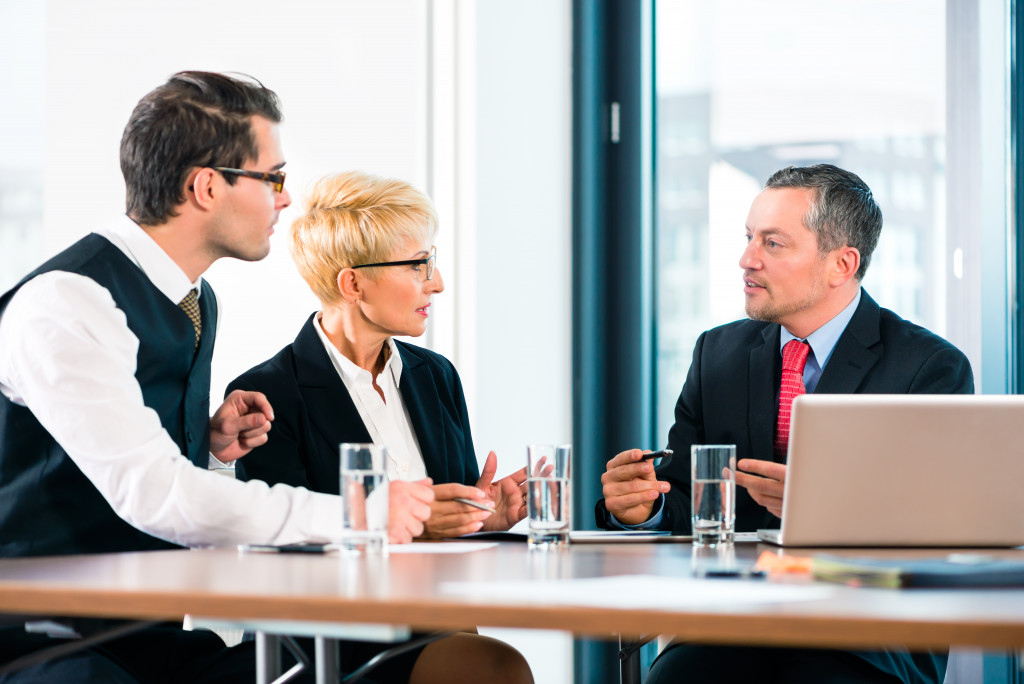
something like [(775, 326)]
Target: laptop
[(904, 470)]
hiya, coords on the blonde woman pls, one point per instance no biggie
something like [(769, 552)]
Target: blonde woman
[(364, 245)]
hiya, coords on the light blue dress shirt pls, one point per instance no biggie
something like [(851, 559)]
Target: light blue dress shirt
[(823, 343)]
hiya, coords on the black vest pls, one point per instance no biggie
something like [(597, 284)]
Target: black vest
[(47, 506)]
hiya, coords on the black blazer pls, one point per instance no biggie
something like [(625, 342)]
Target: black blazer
[(731, 392), (313, 414)]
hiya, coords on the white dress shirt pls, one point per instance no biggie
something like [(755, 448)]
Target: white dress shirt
[(66, 353), (387, 420)]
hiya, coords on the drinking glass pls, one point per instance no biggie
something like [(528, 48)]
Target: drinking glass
[(548, 500), (364, 496), (713, 495)]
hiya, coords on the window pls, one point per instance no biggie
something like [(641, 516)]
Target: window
[(746, 88)]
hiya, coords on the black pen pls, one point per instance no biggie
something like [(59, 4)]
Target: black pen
[(664, 453), (724, 573)]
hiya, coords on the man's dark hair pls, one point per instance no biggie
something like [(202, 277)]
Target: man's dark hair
[(843, 211), (196, 119)]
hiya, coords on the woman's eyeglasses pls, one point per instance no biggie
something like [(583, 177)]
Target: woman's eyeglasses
[(427, 261)]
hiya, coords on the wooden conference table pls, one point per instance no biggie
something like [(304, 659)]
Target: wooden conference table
[(594, 590)]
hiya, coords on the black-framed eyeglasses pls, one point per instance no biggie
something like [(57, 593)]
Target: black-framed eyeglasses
[(276, 178), (427, 261)]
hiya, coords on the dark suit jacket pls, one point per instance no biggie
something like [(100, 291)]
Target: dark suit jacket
[(731, 396), (731, 392), (313, 414)]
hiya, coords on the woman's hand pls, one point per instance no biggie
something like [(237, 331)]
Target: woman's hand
[(508, 493), (450, 518), (408, 506)]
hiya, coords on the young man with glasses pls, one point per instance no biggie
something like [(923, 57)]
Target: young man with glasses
[(105, 428)]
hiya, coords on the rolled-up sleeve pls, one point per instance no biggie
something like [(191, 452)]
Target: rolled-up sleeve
[(67, 354)]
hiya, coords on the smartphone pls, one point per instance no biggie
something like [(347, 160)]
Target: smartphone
[(286, 548)]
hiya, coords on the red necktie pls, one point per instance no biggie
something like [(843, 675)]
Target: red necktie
[(794, 358)]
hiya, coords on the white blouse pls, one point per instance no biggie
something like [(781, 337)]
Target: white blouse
[(387, 420)]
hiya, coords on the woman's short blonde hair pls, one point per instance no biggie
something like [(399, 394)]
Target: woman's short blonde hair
[(355, 218)]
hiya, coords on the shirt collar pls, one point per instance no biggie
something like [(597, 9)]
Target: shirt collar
[(352, 373), (161, 270), (823, 340)]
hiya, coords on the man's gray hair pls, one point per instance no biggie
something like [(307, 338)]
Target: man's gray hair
[(843, 211)]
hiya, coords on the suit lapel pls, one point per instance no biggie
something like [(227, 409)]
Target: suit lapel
[(764, 362), (421, 401), (331, 410), (208, 315), (853, 356)]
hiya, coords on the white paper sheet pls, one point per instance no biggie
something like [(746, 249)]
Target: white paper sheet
[(440, 547), (641, 591)]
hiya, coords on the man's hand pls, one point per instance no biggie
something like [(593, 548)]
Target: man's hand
[(630, 487), (408, 508), (449, 518), (508, 493), (239, 425), (765, 482)]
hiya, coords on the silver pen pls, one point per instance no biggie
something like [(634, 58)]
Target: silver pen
[(474, 504)]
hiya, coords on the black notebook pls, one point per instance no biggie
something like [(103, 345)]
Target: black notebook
[(581, 536), (955, 570)]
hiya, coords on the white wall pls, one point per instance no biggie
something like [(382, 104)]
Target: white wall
[(525, 223), (468, 100), (22, 27), (353, 96), (347, 74), (523, 314)]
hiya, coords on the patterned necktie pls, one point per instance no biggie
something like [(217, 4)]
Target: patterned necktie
[(794, 358), (190, 305)]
